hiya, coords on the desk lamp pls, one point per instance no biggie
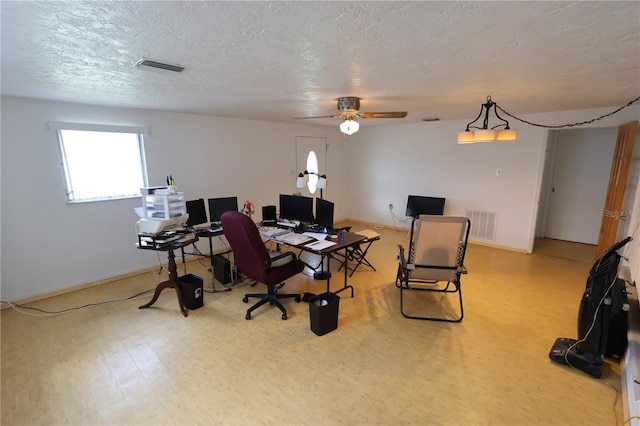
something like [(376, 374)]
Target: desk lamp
[(303, 178)]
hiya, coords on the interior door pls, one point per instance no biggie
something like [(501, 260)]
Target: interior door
[(618, 177), (579, 184)]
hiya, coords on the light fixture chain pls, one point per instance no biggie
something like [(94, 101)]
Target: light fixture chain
[(572, 124)]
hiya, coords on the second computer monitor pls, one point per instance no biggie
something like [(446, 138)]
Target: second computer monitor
[(324, 213), (196, 211), (296, 207), (217, 206), (417, 205)]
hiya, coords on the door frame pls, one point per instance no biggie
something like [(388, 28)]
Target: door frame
[(618, 182)]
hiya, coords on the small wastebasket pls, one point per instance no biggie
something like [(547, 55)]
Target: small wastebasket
[(323, 313), (191, 289)]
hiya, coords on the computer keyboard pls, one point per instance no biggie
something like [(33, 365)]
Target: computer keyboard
[(286, 236), (272, 231), (292, 238), (288, 223), (207, 226)]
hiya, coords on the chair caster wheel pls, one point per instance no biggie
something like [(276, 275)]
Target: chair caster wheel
[(284, 317), (248, 316), (298, 299), (245, 300)]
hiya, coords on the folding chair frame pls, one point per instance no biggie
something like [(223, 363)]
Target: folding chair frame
[(403, 278), (358, 255)]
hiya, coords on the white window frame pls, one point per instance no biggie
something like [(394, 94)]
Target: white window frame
[(101, 195)]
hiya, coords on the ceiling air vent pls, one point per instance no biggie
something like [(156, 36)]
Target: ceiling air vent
[(157, 66)]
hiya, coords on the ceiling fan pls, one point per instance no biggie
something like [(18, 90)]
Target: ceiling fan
[(349, 107)]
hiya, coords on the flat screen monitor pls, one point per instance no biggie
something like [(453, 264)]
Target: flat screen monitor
[(217, 206), (296, 207), (324, 213), (196, 211), (417, 205)]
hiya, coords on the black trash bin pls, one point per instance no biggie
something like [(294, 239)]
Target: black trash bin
[(323, 313), (191, 289)]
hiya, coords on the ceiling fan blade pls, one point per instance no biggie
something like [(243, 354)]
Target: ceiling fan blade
[(396, 114), (320, 116)]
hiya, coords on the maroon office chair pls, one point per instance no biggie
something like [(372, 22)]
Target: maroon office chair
[(253, 260)]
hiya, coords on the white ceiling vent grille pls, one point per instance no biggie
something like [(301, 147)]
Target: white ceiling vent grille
[(483, 225), (157, 66)]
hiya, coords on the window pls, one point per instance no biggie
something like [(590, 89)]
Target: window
[(101, 162)]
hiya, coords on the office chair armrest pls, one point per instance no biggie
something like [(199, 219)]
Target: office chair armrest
[(277, 258)]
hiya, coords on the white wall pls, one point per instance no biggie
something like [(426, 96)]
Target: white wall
[(425, 159), (388, 163), (48, 245)]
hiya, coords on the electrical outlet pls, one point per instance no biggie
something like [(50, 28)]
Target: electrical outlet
[(390, 206)]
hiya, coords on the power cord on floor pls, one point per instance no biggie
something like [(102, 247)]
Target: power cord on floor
[(631, 418), (43, 313), (615, 401)]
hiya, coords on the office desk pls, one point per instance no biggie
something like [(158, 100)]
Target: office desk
[(208, 233), (350, 240), (172, 282)]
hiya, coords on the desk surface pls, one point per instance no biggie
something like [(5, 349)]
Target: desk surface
[(349, 240), (173, 245)]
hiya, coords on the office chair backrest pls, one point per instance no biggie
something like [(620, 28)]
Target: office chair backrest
[(249, 251)]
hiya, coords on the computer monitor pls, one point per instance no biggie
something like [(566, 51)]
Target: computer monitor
[(196, 211), (324, 213), (217, 206), (417, 205), (296, 207)]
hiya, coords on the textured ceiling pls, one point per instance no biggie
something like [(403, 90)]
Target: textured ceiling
[(277, 60)]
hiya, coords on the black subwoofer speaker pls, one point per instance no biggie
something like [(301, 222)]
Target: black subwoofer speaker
[(268, 214), (222, 270)]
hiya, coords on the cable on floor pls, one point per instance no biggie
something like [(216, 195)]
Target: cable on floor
[(44, 313)]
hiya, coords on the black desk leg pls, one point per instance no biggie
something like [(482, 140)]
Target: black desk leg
[(346, 286), (322, 274)]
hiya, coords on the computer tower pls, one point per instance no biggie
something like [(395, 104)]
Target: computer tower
[(222, 270)]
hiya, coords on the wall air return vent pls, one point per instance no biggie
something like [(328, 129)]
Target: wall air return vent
[(151, 65), (483, 225)]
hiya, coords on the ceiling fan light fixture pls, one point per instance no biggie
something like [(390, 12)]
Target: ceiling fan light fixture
[(349, 126)]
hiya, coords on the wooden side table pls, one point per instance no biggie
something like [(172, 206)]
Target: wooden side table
[(172, 282)]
